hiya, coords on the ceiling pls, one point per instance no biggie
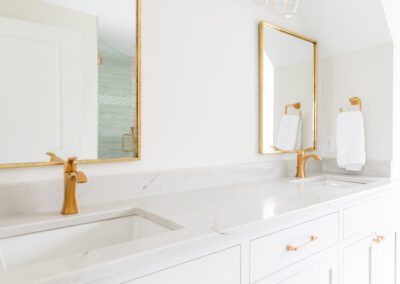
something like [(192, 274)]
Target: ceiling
[(339, 26), (342, 26), (392, 11)]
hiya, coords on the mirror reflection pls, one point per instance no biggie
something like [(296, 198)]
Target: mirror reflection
[(287, 91), (69, 80)]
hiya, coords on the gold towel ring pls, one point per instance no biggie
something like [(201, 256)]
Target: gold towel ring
[(354, 101)]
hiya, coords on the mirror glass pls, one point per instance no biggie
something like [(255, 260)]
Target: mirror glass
[(69, 80), (287, 91)]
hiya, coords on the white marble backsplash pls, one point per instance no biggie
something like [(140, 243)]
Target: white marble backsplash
[(372, 168), (46, 196)]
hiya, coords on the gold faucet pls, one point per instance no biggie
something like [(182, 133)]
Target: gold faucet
[(71, 178), (301, 162)]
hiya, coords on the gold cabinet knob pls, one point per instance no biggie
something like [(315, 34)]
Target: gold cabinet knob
[(378, 239)]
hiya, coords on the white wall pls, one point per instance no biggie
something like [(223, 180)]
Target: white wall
[(396, 111), (392, 8), (200, 87), (367, 74)]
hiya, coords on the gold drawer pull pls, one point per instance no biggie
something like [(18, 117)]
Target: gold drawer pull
[(293, 248), (378, 239)]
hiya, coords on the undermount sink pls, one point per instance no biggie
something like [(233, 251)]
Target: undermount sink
[(336, 182), (81, 238)]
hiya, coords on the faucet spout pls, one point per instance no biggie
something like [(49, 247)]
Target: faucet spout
[(313, 156)]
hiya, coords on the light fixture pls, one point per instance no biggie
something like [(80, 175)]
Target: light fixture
[(287, 8)]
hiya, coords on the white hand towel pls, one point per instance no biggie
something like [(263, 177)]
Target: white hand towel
[(288, 132), (350, 141)]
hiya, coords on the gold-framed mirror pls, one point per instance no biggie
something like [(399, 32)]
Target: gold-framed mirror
[(70, 81), (288, 72)]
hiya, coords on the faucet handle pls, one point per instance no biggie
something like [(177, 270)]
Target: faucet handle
[(54, 157), (81, 177), (70, 165)]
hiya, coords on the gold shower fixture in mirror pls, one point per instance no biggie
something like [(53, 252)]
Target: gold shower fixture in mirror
[(287, 91)]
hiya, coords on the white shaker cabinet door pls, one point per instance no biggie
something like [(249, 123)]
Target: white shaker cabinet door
[(384, 259), (322, 272), (356, 262), (397, 236), (371, 260), (217, 268)]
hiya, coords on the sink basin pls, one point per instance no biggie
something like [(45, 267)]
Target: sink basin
[(80, 238), (335, 182)]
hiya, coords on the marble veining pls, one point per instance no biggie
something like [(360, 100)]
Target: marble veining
[(207, 216), (47, 196)]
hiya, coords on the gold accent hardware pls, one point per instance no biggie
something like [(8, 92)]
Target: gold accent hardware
[(296, 248), (124, 137), (296, 106), (137, 116), (131, 137), (354, 101), (100, 58), (54, 157), (71, 177), (261, 27), (301, 162), (378, 239)]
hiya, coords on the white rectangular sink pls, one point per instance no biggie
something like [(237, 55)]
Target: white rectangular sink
[(336, 182), (80, 238)]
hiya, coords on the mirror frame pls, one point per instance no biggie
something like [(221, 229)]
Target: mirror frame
[(262, 26), (137, 136)]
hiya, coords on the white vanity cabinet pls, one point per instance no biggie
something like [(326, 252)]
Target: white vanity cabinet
[(217, 268), (373, 213), (342, 241), (270, 253), (343, 246), (383, 258), (321, 272), (371, 260), (368, 254)]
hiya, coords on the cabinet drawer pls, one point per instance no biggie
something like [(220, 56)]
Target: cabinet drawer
[(222, 267), (278, 250), (378, 212), (321, 272)]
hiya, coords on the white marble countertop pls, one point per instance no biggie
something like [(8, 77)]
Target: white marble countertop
[(208, 217)]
